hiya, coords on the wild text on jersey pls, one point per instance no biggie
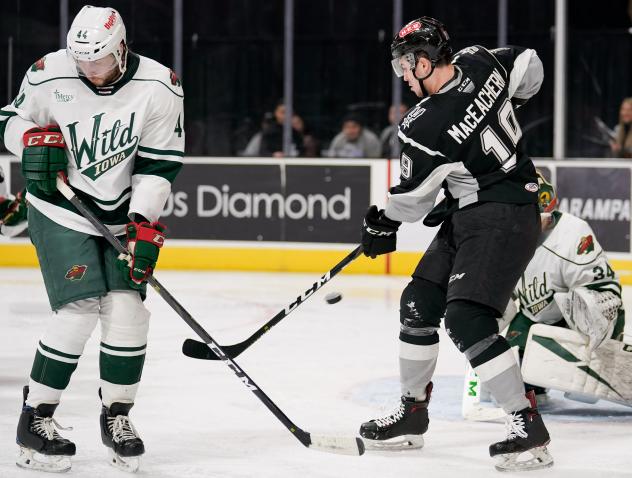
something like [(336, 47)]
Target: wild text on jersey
[(106, 148), (476, 111), (535, 295)]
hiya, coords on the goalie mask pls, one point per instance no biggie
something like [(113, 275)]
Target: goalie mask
[(547, 197), (422, 35), (97, 44)]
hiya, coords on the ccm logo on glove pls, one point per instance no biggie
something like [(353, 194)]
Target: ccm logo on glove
[(43, 138)]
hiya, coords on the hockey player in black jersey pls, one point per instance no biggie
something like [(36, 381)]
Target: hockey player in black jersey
[(462, 139)]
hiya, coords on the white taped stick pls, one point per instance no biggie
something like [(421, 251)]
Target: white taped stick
[(339, 445)]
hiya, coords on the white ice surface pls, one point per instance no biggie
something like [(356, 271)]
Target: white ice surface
[(328, 367)]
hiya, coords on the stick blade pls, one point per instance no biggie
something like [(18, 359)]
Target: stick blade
[(199, 350), (196, 349), (339, 445)]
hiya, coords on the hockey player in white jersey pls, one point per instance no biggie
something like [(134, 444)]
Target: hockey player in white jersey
[(568, 283), (111, 120)]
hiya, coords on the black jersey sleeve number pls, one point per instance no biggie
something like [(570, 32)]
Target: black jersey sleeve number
[(491, 142), (600, 274)]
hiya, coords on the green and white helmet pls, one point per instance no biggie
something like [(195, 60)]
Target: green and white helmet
[(547, 196), (95, 34)]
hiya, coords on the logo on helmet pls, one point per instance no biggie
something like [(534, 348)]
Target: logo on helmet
[(411, 27), (111, 21)]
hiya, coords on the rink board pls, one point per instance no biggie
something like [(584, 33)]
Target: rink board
[(300, 215)]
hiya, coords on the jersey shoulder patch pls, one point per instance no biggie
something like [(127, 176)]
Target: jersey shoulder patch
[(162, 77), (412, 115), (574, 240), (51, 66)]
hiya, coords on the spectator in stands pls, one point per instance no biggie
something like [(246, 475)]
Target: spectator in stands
[(354, 141), (388, 137), (311, 144), (269, 141), (622, 145)]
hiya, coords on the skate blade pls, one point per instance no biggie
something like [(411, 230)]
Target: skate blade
[(130, 464), (540, 458), (32, 460), (404, 442)]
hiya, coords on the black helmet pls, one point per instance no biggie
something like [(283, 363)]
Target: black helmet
[(423, 34)]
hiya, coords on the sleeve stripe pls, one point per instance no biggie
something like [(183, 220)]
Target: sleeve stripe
[(163, 152), (526, 75), (5, 116), (156, 167), (410, 206), (421, 147)]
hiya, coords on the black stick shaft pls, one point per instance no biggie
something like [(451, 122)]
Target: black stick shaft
[(196, 349), (300, 434)]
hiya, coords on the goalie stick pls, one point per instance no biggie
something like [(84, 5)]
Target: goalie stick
[(330, 444), (199, 350)]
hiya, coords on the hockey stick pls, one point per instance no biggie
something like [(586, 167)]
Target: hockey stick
[(330, 444), (199, 350)]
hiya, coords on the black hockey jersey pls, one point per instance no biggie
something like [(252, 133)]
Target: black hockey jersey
[(465, 138)]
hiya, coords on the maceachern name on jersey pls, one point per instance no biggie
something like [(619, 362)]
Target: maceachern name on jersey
[(478, 109), (106, 148)]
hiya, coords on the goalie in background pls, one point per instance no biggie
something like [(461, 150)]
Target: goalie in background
[(568, 283)]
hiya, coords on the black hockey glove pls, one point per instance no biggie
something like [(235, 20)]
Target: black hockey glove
[(379, 233)]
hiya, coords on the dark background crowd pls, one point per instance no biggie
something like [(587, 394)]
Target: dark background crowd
[(233, 68)]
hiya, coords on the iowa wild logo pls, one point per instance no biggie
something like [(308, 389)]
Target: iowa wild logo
[(39, 64), (76, 273), (107, 147), (586, 245)]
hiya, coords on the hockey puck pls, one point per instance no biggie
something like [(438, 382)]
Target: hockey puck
[(333, 297)]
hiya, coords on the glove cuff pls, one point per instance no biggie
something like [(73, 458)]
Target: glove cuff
[(43, 137), (152, 233), (389, 222)]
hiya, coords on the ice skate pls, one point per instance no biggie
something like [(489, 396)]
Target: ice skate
[(526, 433), (120, 436), (401, 430), (41, 446)]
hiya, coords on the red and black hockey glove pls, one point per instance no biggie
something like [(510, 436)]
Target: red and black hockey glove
[(13, 211), (43, 156), (144, 241)]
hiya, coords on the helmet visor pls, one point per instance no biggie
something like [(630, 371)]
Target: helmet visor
[(403, 63), (101, 68)]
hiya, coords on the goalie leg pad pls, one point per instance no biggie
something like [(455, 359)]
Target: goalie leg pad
[(556, 358)]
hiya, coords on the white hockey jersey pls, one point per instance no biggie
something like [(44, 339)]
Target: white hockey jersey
[(570, 256), (124, 142)]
